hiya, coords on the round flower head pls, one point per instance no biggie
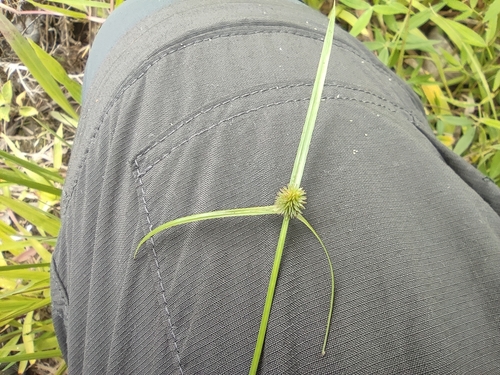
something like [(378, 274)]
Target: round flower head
[(290, 201)]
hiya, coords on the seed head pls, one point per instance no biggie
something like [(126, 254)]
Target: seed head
[(290, 201)]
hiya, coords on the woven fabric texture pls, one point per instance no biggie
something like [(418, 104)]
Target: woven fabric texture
[(200, 107)]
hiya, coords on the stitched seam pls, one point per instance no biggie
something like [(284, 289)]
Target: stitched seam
[(118, 95), (338, 97), (204, 111), (158, 273), (140, 176)]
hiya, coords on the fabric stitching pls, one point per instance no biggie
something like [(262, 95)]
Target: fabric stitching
[(140, 176), (199, 41), (123, 89), (140, 173), (204, 111), (160, 279)]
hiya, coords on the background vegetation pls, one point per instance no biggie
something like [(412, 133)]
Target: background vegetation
[(447, 50)]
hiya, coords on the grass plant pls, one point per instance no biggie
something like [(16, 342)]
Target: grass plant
[(447, 50), (290, 201)]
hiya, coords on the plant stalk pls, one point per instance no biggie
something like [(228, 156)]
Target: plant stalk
[(269, 297)]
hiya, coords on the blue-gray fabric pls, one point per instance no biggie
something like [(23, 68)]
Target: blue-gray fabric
[(116, 27), (199, 106), (124, 18)]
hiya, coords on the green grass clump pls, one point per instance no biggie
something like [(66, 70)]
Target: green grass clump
[(447, 50)]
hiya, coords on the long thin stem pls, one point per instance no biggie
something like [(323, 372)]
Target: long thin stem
[(269, 297), (312, 112), (295, 181)]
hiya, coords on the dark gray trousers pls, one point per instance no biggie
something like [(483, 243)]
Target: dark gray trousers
[(199, 107)]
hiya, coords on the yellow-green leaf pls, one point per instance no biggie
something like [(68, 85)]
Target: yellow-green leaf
[(59, 10), (490, 122), (28, 56), (57, 151), (316, 4), (457, 5), (28, 336), (465, 141), (392, 8), (12, 177), (446, 139), (347, 17), (10, 345), (496, 82), (459, 33), (26, 274), (38, 355), (21, 307), (64, 119), (362, 22), (5, 113), (44, 172), (493, 11), (494, 171), (7, 91), (27, 111), (42, 220), (436, 99), (58, 72), (31, 287), (356, 4), (419, 19), (82, 4)]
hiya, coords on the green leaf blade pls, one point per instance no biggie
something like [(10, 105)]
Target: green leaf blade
[(41, 219), (58, 72), (14, 179), (23, 50), (305, 140), (465, 141), (44, 172), (221, 214), (332, 278)]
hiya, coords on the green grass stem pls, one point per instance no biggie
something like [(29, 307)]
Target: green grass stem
[(312, 112), (295, 181), (269, 297)]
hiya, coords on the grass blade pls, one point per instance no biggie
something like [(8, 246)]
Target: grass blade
[(82, 4), (22, 308), (332, 296), (295, 181), (26, 357), (28, 336), (24, 51), (59, 10), (58, 72), (312, 112), (44, 172), (269, 297), (250, 211), (13, 178), (41, 219)]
